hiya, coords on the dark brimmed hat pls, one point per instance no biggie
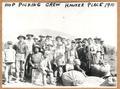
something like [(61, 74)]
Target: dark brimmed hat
[(85, 39), (77, 39), (21, 36), (36, 46), (41, 36), (102, 41), (72, 41), (48, 36), (49, 45), (99, 39), (79, 42), (10, 43), (63, 38), (29, 35), (35, 38), (58, 37), (96, 38), (89, 38)]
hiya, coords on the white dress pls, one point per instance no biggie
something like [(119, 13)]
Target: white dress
[(60, 56)]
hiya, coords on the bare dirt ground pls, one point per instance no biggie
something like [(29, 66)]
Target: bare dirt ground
[(112, 60)]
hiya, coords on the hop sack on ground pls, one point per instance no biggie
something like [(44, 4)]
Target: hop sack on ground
[(100, 70), (72, 78)]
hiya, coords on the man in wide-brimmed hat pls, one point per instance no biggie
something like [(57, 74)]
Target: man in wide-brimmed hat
[(48, 36), (58, 38), (21, 55), (73, 51), (35, 39), (96, 40), (84, 39), (59, 56), (30, 43), (85, 42), (29, 35), (21, 37), (41, 43), (102, 41), (77, 39), (79, 49), (72, 41), (48, 40), (41, 37)]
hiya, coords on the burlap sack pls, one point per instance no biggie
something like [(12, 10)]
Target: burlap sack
[(100, 70), (72, 78)]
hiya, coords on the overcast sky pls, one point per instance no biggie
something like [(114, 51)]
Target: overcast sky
[(77, 22)]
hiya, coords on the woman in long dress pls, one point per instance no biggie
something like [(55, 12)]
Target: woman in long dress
[(35, 62), (59, 58)]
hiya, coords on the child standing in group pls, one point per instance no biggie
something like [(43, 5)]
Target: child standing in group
[(9, 60)]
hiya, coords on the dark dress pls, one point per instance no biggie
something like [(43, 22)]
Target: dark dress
[(28, 70), (82, 56), (37, 74)]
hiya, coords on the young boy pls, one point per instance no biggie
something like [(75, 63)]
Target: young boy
[(9, 59)]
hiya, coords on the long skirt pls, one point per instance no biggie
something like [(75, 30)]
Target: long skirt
[(73, 78), (28, 70), (37, 77)]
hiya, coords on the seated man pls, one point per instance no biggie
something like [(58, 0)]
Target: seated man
[(69, 65), (77, 64)]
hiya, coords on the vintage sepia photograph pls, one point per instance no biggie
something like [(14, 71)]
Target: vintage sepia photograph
[(59, 44)]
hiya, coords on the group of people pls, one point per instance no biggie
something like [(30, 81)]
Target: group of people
[(43, 59)]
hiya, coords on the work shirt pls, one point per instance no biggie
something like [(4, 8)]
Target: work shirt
[(9, 55), (59, 55), (48, 42), (30, 44), (21, 48)]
